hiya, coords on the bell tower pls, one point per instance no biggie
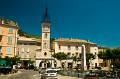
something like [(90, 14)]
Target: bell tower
[(46, 35)]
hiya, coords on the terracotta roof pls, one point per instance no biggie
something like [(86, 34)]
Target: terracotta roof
[(70, 40), (8, 22), (22, 38)]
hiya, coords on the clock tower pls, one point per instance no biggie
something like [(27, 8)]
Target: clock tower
[(46, 35)]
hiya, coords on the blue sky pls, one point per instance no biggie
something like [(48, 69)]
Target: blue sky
[(94, 20)]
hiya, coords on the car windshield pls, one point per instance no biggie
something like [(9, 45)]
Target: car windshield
[(51, 71)]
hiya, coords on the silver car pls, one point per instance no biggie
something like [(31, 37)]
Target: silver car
[(49, 74)]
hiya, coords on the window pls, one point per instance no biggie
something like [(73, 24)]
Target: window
[(31, 43), (45, 45), (69, 47), (76, 53), (95, 53), (68, 53), (9, 39), (46, 35), (76, 47), (10, 30), (95, 64), (8, 50), (72, 54), (80, 55), (59, 47)]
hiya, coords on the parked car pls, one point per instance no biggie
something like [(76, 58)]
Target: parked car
[(91, 75), (49, 74)]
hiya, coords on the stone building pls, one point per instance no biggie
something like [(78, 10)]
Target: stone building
[(26, 49), (8, 37), (74, 47)]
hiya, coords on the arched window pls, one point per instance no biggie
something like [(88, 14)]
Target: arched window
[(45, 53)]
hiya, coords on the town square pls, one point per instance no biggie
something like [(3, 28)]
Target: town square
[(57, 39)]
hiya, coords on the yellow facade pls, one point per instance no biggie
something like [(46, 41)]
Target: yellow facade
[(8, 38)]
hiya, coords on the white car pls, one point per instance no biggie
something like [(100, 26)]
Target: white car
[(49, 74)]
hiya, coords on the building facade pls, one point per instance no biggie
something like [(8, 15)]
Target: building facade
[(77, 48), (71, 47), (8, 38), (26, 50)]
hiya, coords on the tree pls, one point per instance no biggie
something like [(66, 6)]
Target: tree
[(60, 56), (74, 58), (112, 55), (12, 60), (89, 56), (115, 61)]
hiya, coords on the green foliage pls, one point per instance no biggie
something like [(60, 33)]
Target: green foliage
[(110, 54), (51, 40), (12, 60), (30, 61), (74, 58), (22, 33), (89, 56), (60, 56)]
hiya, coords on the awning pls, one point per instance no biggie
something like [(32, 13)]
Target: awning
[(3, 62)]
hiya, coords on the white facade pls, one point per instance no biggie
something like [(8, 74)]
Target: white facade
[(74, 47), (94, 62)]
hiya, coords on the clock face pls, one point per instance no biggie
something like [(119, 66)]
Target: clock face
[(45, 29)]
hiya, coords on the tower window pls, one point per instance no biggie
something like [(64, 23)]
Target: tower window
[(45, 53), (46, 35)]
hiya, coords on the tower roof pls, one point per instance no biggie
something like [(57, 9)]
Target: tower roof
[(46, 18)]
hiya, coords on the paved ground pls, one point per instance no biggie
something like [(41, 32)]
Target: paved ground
[(22, 74), (25, 74), (67, 77), (37, 76), (30, 74)]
